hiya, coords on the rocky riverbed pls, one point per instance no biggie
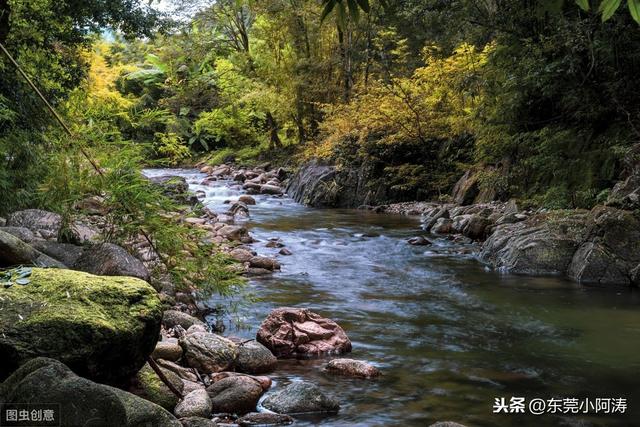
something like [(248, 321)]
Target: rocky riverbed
[(362, 268)]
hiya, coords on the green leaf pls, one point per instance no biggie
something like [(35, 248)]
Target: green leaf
[(328, 8), (364, 5), (354, 10), (634, 8), (584, 4), (342, 15), (608, 8)]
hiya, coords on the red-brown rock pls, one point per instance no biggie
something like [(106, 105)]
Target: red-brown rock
[(295, 332)]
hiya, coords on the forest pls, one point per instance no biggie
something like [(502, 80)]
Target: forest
[(174, 142)]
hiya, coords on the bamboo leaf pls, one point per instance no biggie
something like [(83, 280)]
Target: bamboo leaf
[(634, 8), (584, 4), (328, 8), (608, 8)]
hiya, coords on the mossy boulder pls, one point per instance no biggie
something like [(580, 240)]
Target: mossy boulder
[(103, 328), (149, 386), (81, 402)]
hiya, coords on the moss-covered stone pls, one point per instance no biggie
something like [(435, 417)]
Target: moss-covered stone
[(103, 328), (150, 387)]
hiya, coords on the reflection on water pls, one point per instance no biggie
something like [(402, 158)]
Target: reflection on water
[(449, 335)]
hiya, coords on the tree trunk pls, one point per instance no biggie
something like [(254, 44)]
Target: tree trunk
[(345, 53), (272, 125)]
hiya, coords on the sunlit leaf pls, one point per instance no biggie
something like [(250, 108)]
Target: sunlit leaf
[(634, 8), (608, 8)]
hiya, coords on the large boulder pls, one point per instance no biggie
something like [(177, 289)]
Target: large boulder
[(81, 402), (298, 332), (208, 353), (101, 327), (601, 246), (264, 419), (300, 398), (46, 223), (173, 186), (108, 259), (235, 394), (254, 358), (14, 251)]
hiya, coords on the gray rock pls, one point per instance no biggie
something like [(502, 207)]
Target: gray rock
[(264, 262), (236, 395), (254, 358), (446, 424), (197, 422), (419, 241), (66, 253), (47, 223), (21, 233), (108, 259), (208, 353), (352, 368), (476, 226), (442, 226), (233, 232), (173, 318), (167, 350), (3, 221), (241, 255), (14, 251), (270, 189), (82, 402), (300, 397), (264, 419), (195, 404)]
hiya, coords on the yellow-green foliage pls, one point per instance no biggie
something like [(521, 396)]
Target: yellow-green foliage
[(437, 102)]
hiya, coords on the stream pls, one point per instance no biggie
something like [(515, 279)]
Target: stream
[(449, 335)]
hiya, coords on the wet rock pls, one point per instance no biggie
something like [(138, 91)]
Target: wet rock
[(446, 424), (264, 419), (252, 185), (292, 332), (14, 251), (104, 328), (195, 404), (206, 169), (241, 255), (81, 401), (189, 386), (236, 395), (353, 368), (274, 244), (197, 328), (168, 350), (197, 422), (442, 226), (264, 262), (258, 272), (270, 189), (221, 170), (172, 318), (108, 259), (254, 358), (66, 253), (233, 232), (285, 251), (265, 382), (299, 398), (419, 241), (149, 386), (208, 353), (248, 200), (475, 227), (3, 222)]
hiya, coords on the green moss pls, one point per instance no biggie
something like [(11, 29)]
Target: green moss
[(154, 390), (101, 327), (74, 296)]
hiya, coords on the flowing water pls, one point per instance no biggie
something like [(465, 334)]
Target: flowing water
[(449, 335)]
